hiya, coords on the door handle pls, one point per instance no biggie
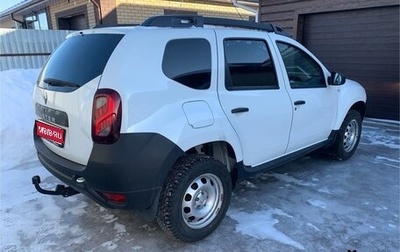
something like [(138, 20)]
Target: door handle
[(239, 110), (300, 102)]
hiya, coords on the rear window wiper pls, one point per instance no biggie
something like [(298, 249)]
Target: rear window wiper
[(60, 83)]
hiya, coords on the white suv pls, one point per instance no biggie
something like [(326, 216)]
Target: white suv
[(168, 116)]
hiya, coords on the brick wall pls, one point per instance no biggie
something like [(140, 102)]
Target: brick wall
[(7, 22), (109, 12), (64, 6), (91, 8), (136, 11)]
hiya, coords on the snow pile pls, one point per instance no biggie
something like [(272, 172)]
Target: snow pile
[(17, 154), (17, 117)]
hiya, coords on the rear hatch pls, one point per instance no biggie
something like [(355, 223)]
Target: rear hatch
[(64, 93)]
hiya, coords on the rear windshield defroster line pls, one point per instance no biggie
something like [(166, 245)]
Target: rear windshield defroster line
[(78, 60)]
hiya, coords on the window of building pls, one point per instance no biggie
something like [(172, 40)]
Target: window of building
[(37, 21), (302, 70), (188, 61), (248, 65)]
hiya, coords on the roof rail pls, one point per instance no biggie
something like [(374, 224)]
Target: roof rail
[(184, 21), (113, 25), (174, 21)]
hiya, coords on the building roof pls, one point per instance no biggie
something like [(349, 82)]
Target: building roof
[(27, 6), (21, 7)]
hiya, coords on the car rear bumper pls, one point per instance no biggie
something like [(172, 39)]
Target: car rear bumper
[(135, 166)]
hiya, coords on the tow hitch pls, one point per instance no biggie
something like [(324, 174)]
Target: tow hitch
[(60, 189)]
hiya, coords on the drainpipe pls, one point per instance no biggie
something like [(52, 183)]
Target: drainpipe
[(23, 25), (25, 6), (98, 11), (247, 8)]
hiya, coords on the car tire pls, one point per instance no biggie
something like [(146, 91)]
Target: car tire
[(195, 198), (349, 136)]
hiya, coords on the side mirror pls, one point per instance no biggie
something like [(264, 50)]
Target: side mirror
[(336, 79)]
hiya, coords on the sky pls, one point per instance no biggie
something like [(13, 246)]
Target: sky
[(5, 4)]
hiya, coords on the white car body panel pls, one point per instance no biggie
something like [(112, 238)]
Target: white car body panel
[(350, 93), (78, 106), (312, 122), (148, 108)]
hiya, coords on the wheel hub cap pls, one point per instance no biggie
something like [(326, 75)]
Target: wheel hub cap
[(202, 201), (350, 136)]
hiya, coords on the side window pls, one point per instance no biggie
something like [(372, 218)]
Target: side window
[(302, 70), (188, 61), (248, 65)]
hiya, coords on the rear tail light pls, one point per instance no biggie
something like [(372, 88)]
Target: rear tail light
[(116, 198), (106, 116)]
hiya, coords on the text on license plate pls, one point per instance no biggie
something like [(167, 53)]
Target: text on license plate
[(50, 132)]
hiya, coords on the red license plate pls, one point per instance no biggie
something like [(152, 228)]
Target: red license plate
[(52, 133)]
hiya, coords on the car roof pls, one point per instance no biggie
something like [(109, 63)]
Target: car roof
[(191, 21)]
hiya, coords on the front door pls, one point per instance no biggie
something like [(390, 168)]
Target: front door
[(314, 103)]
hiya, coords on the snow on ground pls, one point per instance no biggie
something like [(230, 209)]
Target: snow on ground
[(260, 225), (307, 205)]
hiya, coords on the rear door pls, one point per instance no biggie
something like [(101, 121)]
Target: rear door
[(252, 95), (64, 94)]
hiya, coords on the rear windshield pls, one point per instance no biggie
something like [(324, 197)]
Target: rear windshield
[(78, 60)]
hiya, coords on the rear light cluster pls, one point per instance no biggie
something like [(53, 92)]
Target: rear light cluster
[(116, 198), (106, 116)]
